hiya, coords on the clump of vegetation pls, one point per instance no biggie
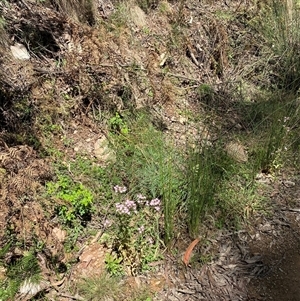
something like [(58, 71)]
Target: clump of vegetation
[(109, 287), (100, 288), (76, 199), (148, 163), (281, 29), (2, 28), (137, 237), (205, 172), (117, 124), (273, 123), (23, 271)]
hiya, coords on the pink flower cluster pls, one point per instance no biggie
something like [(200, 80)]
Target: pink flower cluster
[(129, 206), (155, 203), (126, 207), (120, 189), (140, 198), (141, 229)]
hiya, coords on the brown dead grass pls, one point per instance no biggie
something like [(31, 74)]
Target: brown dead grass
[(84, 11)]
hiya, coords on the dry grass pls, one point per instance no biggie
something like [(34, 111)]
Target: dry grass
[(80, 10), (3, 36)]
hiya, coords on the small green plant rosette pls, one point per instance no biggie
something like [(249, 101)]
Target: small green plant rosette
[(113, 265), (118, 125)]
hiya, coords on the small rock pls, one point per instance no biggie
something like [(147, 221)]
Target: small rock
[(266, 227), (20, 52), (28, 287), (288, 184), (236, 151), (2, 273), (59, 234), (138, 16), (163, 57), (183, 120), (263, 178), (103, 152)]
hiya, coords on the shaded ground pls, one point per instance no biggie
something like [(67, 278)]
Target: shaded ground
[(280, 247), (261, 263), (282, 281)]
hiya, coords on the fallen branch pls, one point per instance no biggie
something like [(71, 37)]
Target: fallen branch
[(291, 209), (183, 77), (76, 297)]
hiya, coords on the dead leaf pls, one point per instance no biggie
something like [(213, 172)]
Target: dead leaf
[(188, 252)]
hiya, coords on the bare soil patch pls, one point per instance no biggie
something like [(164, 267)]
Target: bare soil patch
[(279, 246)]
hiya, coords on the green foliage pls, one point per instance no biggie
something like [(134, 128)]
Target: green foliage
[(3, 251), (137, 239), (148, 163), (2, 23), (205, 90), (142, 294), (119, 19), (171, 188), (3, 34), (280, 26), (107, 287), (24, 268), (224, 15), (77, 198), (273, 123), (117, 124), (207, 95), (237, 199), (92, 174), (100, 288), (206, 169), (113, 265), (53, 128)]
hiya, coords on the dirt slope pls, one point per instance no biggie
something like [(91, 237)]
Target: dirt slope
[(172, 58)]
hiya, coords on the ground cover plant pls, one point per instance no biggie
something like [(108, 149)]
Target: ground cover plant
[(106, 286), (78, 199), (273, 122)]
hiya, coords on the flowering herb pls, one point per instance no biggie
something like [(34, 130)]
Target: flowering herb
[(126, 207), (120, 189), (137, 233)]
